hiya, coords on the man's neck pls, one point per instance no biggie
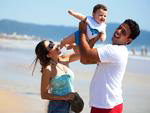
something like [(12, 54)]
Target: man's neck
[(118, 44)]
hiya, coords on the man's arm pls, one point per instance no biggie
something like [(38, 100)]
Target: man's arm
[(88, 55), (77, 15), (95, 39)]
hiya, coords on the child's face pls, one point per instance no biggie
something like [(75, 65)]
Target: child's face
[(100, 16)]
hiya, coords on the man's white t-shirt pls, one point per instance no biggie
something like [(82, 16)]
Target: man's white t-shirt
[(93, 28), (105, 87)]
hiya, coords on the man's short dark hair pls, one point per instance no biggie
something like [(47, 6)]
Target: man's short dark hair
[(134, 27), (99, 6)]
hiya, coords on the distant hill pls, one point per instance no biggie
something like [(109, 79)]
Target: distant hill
[(43, 31), (57, 32)]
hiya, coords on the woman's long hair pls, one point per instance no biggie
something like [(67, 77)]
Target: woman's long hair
[(41, 54)]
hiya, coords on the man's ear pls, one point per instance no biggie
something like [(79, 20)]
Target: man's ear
[(129, 41)]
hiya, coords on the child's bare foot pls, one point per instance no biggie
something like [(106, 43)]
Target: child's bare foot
[(68, 47), (61, 44)]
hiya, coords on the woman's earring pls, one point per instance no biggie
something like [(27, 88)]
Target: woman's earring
[(47, 56)]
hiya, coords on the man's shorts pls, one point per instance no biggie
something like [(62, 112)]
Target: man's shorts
[(116, 109)]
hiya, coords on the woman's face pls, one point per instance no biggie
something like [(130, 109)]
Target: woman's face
[(53, 49)]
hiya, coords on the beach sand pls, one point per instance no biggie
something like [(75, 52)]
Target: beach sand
[(20, 91)]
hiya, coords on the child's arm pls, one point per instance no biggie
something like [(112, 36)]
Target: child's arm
[(77, 15)]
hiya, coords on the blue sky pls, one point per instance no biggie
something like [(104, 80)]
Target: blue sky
[(55, 11)]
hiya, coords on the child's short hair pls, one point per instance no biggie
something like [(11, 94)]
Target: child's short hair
[(99, 6)]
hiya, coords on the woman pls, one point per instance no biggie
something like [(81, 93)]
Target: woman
[(56, 80)]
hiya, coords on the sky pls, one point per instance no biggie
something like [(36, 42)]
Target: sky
[(54, 12)]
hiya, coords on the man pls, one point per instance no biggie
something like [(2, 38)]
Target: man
[(111, 60)]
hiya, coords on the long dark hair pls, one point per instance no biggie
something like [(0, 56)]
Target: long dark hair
[(41, 54)]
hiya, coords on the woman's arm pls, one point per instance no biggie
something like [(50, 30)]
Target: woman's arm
[(74, 57), (77, 15), (71, 57), (45, 86)]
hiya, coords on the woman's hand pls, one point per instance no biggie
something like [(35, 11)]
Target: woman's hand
[(70, 96)]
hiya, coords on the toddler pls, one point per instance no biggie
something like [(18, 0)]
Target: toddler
[(96, 25)]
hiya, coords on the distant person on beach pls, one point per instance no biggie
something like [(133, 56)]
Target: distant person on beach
[(133, 51), (111, 60), (144, 51), (57, 77), (96, 26)]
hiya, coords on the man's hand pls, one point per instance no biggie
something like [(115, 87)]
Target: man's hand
[(69, 96), (82, 26)]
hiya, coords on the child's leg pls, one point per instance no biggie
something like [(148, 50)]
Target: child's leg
[(73, 38), (68, 40)]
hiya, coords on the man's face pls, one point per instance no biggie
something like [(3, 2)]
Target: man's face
[(121, 35), (100, 16)]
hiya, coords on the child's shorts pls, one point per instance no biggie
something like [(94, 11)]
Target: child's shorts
[(77, 36)]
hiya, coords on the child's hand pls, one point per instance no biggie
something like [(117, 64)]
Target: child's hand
[(101, 36), (70, 12)]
